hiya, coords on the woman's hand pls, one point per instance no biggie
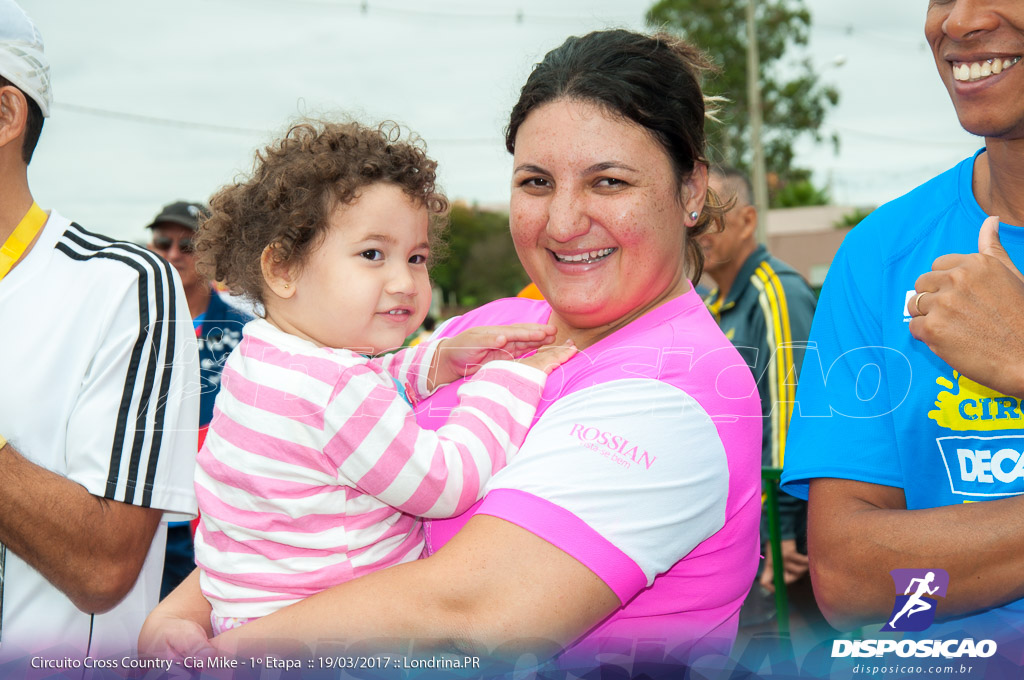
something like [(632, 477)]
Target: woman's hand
[(463, 354)]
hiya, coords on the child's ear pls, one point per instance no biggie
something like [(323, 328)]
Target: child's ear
[(278, 276)]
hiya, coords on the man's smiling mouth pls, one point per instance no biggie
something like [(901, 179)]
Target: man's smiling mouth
[(979, 70)]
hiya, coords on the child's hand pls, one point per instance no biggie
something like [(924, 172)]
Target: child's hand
[(550, 357), (465, 353), (173, 638)]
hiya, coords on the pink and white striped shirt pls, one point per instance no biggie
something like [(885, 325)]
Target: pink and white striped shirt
[(315, 471)]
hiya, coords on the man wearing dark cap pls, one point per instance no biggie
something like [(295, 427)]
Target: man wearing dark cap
[(173, 230), (98, 404), (218, 327)]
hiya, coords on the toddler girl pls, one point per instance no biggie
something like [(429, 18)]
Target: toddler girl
[(314, 470)]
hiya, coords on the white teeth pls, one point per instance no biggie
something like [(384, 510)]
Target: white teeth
[(592, 256), (397, 311), (982, 69)]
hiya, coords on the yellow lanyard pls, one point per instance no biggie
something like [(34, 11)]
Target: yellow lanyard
[(20, 239)]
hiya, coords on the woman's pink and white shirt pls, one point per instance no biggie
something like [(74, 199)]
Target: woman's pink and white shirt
[(643, 463)]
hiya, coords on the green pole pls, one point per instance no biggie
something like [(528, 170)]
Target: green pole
[(771, 475)]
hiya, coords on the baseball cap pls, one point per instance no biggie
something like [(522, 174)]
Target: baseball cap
[(184, 213), (21, 55)]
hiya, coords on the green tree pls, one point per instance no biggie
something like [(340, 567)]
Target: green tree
[(794, 101), (798, 193), (853, 218), (481, 263)]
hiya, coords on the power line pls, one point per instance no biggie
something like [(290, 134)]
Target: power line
[(155, 120), (365, 7), (234, 129), (893, 139), (851, 31)]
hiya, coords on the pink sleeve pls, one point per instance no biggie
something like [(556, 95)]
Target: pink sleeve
[(569, 533), (379, 448), (410, 367)]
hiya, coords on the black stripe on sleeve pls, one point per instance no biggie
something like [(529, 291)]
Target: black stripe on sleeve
[(145, 264), (165, 327), (165, 387)]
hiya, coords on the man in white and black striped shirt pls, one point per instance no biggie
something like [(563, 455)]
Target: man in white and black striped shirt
[(98, 403)]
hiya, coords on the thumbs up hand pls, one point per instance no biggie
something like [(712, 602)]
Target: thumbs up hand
[(988, 244), (969, 310)]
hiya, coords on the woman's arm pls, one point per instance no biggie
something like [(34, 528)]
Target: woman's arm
[(495, 589), (506, 585)]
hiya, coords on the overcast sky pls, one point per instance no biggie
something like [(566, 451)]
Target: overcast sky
[(160, 101)]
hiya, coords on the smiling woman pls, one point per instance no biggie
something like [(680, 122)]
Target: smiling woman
[(598, 216), (631, 510)]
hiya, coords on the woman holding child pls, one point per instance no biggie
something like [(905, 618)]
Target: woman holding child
[(631, 510)]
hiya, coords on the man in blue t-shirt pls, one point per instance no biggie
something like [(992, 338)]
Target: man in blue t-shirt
[(218, 326), (908, 463)]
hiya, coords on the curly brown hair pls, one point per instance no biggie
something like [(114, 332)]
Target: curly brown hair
[(296, 184)]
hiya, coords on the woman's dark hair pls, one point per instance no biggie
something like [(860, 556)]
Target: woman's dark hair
[(295, 186), (651, 80)]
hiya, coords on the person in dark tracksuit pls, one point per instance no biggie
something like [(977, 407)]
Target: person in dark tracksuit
[(764, 307)]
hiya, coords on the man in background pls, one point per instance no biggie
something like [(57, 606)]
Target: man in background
[(218, 328), (98, 403), (764, 307)]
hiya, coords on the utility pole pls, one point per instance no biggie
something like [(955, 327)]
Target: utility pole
[(759, 176)]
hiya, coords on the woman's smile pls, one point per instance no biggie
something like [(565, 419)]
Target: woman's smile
[(585, 257)]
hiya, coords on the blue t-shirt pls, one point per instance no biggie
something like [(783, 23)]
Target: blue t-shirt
[(876, 405), (219, 332)]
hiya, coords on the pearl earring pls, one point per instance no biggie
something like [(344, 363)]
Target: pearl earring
[(694, 215)]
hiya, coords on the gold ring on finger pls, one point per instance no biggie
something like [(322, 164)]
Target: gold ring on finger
[(917, 302)]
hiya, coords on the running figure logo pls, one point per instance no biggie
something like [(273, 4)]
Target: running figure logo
[(914, 610)]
